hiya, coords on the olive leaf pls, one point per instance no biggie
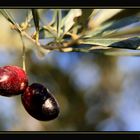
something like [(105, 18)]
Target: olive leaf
[(44, 33), (51, 29), (99, 16), (100, 41), (68, 20), (47, 32), (83, 19), (59, 19), (133, 28), (43, 13), (122, 43), (130, 43), (112, 26), (36, 19), (29, 16), (9, 17), (83, 30)]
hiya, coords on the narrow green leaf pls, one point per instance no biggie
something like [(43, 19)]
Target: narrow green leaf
[(83, 19), (36, 19), (116, 24), (9, 17), (107, 51), (98, 32), (130, 43), (133, 28), (48, 30), (29, 16), (44, 33), (123, 43), (112, 26), (42, 16), (54, 20), (94, 13), (100, 16), (59, 20), (69, 20), (101, 41)]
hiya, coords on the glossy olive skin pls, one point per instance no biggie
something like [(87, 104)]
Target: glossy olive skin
[(13, 80), (40, 103)]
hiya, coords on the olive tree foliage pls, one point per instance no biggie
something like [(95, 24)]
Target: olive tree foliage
[(103, 31)]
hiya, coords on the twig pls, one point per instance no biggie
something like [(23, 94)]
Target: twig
[(23, 54)]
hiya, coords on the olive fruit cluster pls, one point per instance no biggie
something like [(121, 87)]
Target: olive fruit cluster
[(36, 99)]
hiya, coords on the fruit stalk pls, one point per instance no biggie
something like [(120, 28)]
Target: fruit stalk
[(23, 53)]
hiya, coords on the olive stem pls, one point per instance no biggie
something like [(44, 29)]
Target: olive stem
[(23, 53)]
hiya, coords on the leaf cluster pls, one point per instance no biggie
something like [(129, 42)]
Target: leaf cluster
[(102, 31)]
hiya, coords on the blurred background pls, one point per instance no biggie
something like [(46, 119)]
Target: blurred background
[(95, 92)]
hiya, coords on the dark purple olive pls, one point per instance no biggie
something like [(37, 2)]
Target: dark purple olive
[(40, 103)]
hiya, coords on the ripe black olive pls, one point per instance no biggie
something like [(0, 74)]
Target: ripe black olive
[(40, 103)]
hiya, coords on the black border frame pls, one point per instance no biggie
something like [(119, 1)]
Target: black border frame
[(69, 4), (35, 135)]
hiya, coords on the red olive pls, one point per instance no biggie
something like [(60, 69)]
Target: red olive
[(13, 80)]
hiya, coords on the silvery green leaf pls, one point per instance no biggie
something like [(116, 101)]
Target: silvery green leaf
[(9, 17), (59, 20), (99, 16), (112, 26), (100, 41), (133, 28), (123, 43), (68, 20)]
